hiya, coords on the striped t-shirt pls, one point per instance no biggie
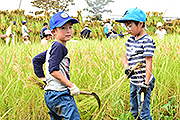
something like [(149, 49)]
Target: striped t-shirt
[(137, 50)]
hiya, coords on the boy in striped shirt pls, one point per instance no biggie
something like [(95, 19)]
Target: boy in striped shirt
[(139, 48)]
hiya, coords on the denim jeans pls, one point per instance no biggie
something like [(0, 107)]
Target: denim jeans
[(61, 105), (136, 103)]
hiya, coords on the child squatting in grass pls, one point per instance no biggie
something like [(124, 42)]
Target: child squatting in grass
[(45, 37), (59, 90), (139, 48)]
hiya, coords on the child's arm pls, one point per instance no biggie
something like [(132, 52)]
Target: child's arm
[(128, 71), (124, 61), (148, 68), (3, 36), (59, 76), (38, 62), (74, 90)]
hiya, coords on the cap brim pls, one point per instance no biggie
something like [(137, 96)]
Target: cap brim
[(24, 22), (122, 20), (74, 21)]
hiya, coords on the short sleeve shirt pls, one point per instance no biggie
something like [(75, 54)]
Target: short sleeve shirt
[(161, 34), (137, 50)]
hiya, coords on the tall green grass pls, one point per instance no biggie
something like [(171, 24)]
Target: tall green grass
[(95, 66)]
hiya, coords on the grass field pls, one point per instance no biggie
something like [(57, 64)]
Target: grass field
[(95, 66)]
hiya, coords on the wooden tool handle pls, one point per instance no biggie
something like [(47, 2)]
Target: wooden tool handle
[(142, 97), (86, 93)]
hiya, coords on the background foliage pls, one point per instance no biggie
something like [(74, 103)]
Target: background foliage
[(52, 5), (35, 23), (95, 66)]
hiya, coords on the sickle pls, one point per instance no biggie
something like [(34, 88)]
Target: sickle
[(142, 101), (94, 94), (41, 85)]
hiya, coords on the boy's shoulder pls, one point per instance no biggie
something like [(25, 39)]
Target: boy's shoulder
[(147, 39), (58, 45), (57, 49), (143, 39), (147, 36)]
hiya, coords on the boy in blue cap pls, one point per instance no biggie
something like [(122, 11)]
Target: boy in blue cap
[(25, 32), (139, 48), (59, 90), (45, 27)]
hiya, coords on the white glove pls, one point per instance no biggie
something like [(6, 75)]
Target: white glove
[(74, 90)]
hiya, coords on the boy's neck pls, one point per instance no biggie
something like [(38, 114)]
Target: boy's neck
[(63, 42), (141, 34)]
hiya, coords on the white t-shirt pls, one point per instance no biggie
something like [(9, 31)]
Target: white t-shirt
[(25, 31), (8, 31), (161, 34)]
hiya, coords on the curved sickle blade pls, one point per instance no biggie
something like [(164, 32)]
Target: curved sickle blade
[(94, 94), (97, 98)]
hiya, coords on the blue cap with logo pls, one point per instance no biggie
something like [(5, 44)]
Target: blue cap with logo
[(133, 14), (59, 19)]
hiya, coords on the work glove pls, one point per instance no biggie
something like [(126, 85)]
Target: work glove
[(144, 88), (129, 72), (74, 90)]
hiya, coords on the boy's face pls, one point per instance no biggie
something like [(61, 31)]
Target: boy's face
[(25, 37), (160, 27), (134, 29), (64, 33), (48, 37)]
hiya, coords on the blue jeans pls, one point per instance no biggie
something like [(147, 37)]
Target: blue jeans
[(61, 105), (136, 103)]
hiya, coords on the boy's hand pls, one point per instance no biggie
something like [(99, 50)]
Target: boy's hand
[(74, 90), (129, 72), (43, 79), (144, 88)]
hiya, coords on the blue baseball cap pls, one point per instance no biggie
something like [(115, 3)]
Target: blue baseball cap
[(133, 14), (59, 19), (24, 21), (14, 22), (45, 24)]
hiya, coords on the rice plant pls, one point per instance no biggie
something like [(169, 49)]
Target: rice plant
[(95, 67)]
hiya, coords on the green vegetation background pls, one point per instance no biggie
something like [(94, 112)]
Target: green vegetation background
[(35, 23), (95, 66)]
